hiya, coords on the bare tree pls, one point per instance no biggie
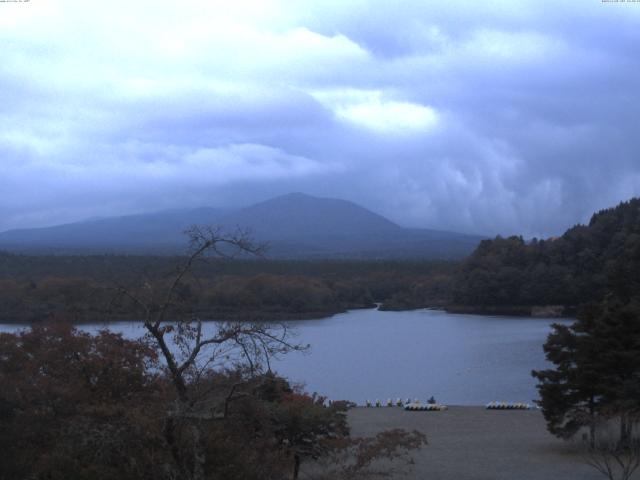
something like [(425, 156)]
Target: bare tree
[(607, 453), (190, 349)]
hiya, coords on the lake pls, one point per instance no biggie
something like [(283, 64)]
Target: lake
[(369, 354)]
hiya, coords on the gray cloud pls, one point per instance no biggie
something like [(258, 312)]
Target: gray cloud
[(488, 118)]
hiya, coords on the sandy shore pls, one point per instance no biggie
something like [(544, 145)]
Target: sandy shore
[(478, 444)]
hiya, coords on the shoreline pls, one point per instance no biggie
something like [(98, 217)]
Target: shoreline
[(527, 311), (275, 317)]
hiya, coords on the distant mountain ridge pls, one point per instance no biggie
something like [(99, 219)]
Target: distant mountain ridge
[(295, 226)]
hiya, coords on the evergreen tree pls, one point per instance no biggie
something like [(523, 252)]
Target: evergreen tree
[(569, 396), (597, 369)]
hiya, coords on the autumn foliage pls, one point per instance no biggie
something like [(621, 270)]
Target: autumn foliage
[(74, 405), (80, 406)]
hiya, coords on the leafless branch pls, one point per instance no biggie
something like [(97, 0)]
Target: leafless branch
[(608, 455)]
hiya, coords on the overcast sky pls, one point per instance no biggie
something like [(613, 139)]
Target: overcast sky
[(476, 116)]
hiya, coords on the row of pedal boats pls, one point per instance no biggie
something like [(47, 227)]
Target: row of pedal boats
[(415, 405)]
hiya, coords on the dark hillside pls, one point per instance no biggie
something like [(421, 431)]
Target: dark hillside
[(584, 264)]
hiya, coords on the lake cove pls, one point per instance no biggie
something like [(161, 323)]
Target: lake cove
[(369, 354)]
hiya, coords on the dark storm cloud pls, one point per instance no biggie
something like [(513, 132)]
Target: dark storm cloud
[(497, 117)]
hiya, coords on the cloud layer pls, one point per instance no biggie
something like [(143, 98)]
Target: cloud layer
[(487, 117)]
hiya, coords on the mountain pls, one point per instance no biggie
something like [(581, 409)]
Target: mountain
[(298, 214), (132, 233), (294, 225)]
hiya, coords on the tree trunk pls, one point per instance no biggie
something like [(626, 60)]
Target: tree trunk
[(169, 431), (592, 423), (296, 466), (624, 432), (191, 464), (199, 454)]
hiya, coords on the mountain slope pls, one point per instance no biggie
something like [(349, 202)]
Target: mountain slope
[(294, 226), (296, 214), (154, 230)]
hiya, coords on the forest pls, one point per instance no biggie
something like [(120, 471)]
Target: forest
[(581, 266), (84, 288)]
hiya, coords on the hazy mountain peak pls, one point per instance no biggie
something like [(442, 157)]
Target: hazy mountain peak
[(299, 214), (293, 196)]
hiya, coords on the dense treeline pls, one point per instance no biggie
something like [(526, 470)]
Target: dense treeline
[(582, 265), (84, 288)]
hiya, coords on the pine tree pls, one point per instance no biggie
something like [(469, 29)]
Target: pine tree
[(597, 370), (569, 397)]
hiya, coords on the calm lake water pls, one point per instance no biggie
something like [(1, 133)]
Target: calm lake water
[(369, 354)]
